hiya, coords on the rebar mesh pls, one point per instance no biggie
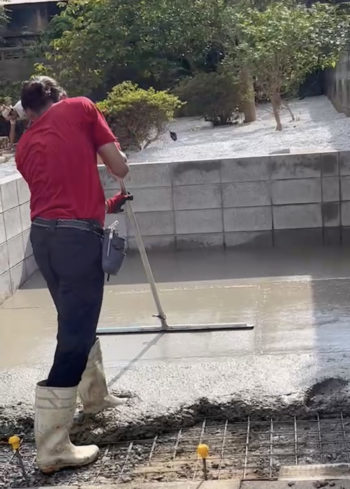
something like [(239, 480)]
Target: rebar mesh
[(248, 449)]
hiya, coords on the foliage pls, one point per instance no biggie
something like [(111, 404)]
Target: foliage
[(94, 43), (212, 95), (285, 42), (4, 18), (138, 116), (9, 92)]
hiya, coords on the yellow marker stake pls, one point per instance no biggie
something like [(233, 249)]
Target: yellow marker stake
[(15, 443), (203, 453)]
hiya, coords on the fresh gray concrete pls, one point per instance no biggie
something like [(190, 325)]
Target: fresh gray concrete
[(228, 484), (233, 484), (290, 362)]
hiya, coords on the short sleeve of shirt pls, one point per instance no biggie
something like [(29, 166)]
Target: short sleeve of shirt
[(101, 132)]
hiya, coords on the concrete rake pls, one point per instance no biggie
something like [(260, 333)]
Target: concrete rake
[(164, 326)]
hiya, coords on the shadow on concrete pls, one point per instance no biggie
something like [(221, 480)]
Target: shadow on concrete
[(139, 356)]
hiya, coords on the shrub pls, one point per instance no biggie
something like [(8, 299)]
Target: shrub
[(138, 116), (211, 95)]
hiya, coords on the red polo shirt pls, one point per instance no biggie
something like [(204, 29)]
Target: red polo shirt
[(57, 158)]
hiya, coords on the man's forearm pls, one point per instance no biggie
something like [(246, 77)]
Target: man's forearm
[(114, 159)]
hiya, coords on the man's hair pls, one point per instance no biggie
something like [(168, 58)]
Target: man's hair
[(39, 91)]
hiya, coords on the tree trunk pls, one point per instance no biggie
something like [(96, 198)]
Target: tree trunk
[(247, 96), (289, 110), (276, 105)]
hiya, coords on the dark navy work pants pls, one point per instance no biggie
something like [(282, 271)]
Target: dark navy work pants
[(70, 261)]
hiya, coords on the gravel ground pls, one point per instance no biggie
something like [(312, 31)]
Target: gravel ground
[(318, 127)]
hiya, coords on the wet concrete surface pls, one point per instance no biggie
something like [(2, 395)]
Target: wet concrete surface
[(296, 360)]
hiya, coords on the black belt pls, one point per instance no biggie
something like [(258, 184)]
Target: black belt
[(81, 224)]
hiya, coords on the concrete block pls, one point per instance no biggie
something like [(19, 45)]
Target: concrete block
[(248, 219), (196, 241), (153, 223), (195, 172), (9, 194), (249, 239), (5, 286), (13, 224), (246, 194), (30, 266), (2, 229), (345, 213), (154, 243), (331, 214), (297, 216), (329, 163), (4, 258), (345, 188), (331, 189), (245, 169), (332, 236), (22, 191), (27, 245), (197, 197), (149, 175), (284, 167), (290, 238), (199, 221), (17, 276), (24, 210), (297, 191), (107, 181), (15, 250), (344, 162), (150, 199)]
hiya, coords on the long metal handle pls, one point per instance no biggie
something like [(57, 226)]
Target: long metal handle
[(144, 258)]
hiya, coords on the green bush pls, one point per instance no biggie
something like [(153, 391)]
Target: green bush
[(211, 95), (137, 116)]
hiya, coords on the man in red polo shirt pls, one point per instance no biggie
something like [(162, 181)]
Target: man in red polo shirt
[(57, 158)]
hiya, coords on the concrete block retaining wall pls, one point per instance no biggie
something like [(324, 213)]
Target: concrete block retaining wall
[(282, 200), (16, 257), (264, 201)]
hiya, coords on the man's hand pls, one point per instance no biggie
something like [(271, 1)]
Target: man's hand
[(115, 204)]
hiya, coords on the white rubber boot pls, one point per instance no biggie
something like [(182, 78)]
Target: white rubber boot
[(93, 390), (54, 411)]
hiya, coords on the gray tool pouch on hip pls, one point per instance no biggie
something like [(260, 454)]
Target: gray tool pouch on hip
[(114, 250)]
